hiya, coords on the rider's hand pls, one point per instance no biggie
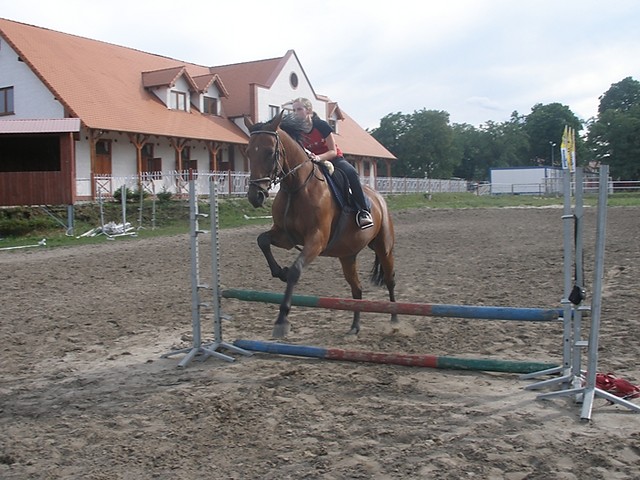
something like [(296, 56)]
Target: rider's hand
[(329, 166)]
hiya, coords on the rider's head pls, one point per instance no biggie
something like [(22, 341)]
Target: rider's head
[(302, 108)]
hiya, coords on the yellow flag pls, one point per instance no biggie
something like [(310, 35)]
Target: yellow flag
[(564, 148)]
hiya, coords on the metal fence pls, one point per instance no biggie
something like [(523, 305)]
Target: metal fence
[(237, 184)]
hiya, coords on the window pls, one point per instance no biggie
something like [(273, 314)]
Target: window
[(210, 106), (178, 100), (187, 162), (293, 80), (154, 167), (6, 101), (273, 111), (190, 165), (150, 164), (334, 125), (103, 147)]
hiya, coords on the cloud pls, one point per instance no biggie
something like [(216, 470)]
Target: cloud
[(484, 102)]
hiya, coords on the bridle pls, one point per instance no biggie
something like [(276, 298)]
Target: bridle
[(278, 172)]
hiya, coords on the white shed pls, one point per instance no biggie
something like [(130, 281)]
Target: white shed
[(526, 180)]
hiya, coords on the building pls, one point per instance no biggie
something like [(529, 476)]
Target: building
[(75, 110), (526, 180)]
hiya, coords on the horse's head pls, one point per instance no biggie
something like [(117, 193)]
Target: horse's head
[(264, 152)]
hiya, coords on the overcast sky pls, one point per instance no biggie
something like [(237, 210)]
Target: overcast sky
[(479, 60)]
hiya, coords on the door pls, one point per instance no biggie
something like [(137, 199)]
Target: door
[(103, 157)]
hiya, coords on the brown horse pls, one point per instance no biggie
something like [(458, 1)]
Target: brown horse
[(306, 214)]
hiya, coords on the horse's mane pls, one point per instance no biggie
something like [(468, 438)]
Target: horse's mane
[(294, 126), (291, 124)]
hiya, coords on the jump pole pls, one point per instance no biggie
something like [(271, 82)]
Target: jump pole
[(198, 349), (420, 309), (405, 359)]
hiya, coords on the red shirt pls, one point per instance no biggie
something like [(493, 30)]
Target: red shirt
[(315, 141)]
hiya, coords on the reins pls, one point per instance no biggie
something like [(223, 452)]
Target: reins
[(278, 175)]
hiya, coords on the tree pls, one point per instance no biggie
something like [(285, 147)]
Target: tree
[(468, 142), (621, 96), (615, 140), (422, 141), (614, 137), (544, 127), (492, 145)]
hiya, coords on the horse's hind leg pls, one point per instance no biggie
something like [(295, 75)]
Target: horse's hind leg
[(383, 272), (350, 271)]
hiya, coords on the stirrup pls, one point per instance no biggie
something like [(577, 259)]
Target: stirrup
[(364, 220)]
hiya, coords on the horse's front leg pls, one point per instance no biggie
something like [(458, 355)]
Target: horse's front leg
[(281, 327), (265, 240)]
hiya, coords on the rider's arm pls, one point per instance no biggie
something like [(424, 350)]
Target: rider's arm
[(332, 152)]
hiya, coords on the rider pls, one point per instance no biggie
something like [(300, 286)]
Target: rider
[(320, 142)]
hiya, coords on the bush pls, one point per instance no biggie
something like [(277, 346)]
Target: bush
[(164, 196), (132, 195), (17, 227)]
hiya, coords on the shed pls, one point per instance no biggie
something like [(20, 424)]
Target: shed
[(526, 180)]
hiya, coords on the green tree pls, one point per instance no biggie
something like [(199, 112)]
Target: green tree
[(492, 145), (544, 127), (621, 96), (615, 140), (614, 136), (422, 141), (468, 143)]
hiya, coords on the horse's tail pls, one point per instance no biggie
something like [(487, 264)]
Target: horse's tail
[(377, 273)]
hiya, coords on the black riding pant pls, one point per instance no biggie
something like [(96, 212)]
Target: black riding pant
[(354, 181)]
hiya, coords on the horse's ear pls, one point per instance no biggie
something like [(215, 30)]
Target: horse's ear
[(275, 123), (247, 122)]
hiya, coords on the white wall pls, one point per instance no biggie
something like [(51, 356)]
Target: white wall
[(31, 98), (282, 92)]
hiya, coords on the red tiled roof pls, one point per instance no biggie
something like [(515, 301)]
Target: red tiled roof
[(164, 77), (105, 85), (354, 140), (94, 80), (203, 82), (239, 76)]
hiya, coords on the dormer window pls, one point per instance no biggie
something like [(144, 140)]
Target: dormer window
[(210, 105), (178, 100), (334, 124)]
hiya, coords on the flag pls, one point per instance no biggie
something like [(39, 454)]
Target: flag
[(563, 149), (568, 149)]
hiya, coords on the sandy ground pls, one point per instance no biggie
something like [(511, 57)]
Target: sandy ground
[(85, 394)]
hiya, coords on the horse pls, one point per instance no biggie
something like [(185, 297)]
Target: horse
[(307, 216)]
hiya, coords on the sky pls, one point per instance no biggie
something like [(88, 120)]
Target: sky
[(478, 60)]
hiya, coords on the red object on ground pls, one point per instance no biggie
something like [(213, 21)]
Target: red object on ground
[(617, 386)]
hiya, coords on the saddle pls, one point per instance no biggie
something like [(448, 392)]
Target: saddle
[(339, 186)]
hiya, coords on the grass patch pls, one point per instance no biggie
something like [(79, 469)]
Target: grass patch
[(29, 225)]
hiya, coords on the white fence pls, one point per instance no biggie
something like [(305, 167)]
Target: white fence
[(237, 184)]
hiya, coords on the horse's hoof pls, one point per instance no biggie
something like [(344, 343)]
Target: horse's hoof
[(280, 330), (284, 272), (353, 332)]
